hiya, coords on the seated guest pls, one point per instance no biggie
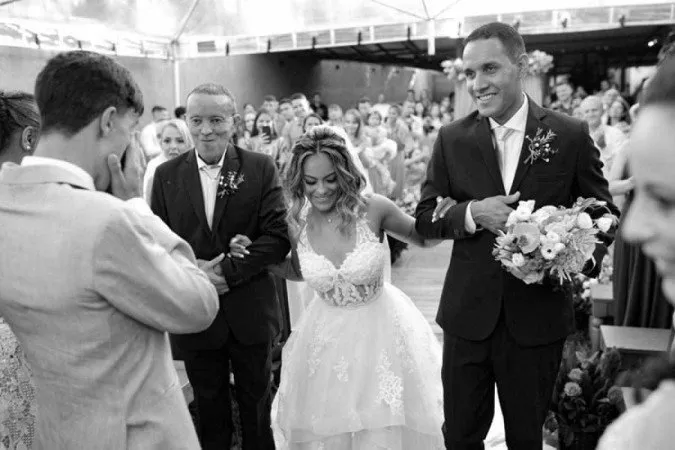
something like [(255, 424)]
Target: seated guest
[(175, 139), (179, 112), (651, 223), (92, 282)]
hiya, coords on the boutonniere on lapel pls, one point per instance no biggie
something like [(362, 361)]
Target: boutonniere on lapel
[(229, 183), (540, 146)]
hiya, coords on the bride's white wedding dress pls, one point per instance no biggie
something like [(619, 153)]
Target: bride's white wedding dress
[(362, 368)]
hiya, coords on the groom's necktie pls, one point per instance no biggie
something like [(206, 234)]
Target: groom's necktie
[(504, 156)]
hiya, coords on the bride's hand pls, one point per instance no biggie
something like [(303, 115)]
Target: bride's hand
[(442, 207), (238, 246)]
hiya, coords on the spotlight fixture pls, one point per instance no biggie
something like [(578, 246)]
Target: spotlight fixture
[(652, 43)]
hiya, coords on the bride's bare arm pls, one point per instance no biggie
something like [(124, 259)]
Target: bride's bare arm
[(395, 222)]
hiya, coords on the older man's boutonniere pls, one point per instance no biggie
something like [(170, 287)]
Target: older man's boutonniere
[(540, 146), (229, 183)]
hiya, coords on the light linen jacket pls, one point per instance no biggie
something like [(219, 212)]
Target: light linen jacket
[(90, 285)]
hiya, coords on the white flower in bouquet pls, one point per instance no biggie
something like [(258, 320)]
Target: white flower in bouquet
[(552, 237), (604, 224), (524, 210), (518, 259), (550, 250), (543, 214), (527, 237), (584, 221)]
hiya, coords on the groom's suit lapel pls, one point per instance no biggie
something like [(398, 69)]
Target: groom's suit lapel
[(534, 116), (193, 187), (231, 163)]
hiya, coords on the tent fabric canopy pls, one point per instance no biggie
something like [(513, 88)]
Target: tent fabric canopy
[(148, 27)]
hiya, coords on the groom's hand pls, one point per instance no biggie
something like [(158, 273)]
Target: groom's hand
[(491, 213)]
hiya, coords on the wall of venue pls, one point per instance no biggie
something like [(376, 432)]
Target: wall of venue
[(19, 68), (344, 82), (249, 77)]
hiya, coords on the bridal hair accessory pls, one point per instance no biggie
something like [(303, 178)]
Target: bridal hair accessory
[(540, 146), (228, 184)]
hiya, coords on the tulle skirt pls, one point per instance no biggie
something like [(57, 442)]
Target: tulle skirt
[(361, 378)]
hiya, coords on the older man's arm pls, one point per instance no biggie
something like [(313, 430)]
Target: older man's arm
[(148, 272), (273, 243)]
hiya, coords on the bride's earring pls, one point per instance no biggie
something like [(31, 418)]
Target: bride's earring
[(27, 148)]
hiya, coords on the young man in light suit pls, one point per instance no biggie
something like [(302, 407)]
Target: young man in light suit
[(91, 283)]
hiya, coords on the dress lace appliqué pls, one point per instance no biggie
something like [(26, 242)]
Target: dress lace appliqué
[(17, 394), (391, 385)]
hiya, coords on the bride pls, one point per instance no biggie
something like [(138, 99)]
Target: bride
[(361, 369)]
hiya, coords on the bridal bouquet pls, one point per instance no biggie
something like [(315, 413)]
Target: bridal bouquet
[(551, 240)]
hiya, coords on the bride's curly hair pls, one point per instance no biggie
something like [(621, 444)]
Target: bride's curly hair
[(351, 182)]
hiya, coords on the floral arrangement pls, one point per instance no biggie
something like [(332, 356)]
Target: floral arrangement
[(229, 183), (540, 146), (539, 62), (585, 399), (553, 241), (453, 69)]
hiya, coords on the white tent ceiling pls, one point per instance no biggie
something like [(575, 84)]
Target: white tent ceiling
[(148, 26)]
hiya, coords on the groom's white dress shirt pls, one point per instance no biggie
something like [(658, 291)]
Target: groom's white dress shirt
[(90, 285), (508, 140)]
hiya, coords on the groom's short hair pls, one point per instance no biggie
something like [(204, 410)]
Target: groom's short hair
[(74, 88), (507, 35)]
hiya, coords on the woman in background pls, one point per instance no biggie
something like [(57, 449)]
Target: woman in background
[(651, 224), (398, 131), (312, 120), (619, 116), (265, 139), (19, 133), (174, 140)]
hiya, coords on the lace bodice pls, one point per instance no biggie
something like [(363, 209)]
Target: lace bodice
[(359, 278)]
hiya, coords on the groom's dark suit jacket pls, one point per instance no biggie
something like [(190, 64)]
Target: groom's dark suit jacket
[(464, 167), (250, 310)]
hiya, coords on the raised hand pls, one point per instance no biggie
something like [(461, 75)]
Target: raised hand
[(127, 183), (492, 213), (238, 246), (443, 205)]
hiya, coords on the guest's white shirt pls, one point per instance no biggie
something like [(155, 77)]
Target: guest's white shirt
[(209, 176), (508, 151)]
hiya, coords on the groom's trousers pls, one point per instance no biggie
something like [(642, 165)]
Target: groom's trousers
[(209, 375), (524, 378)]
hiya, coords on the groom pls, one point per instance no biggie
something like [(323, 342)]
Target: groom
[(207, 196), (498, 330)]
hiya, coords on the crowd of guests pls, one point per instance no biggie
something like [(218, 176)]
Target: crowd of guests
[(392, 140)]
